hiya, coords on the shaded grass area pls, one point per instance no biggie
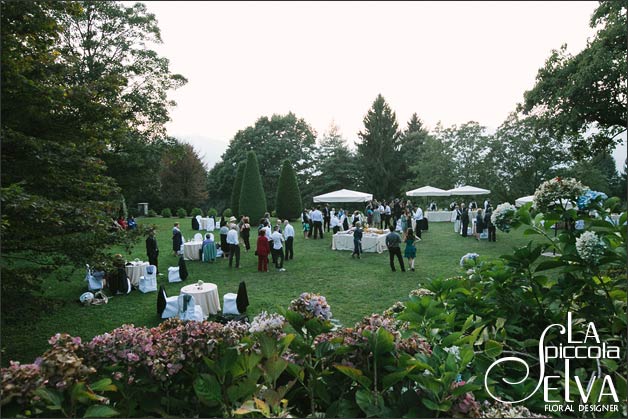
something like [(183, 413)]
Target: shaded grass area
[(354, 288)]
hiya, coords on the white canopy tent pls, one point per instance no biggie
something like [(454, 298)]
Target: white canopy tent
[(428, 191), (468, 190), (344, 195), (523, 200)]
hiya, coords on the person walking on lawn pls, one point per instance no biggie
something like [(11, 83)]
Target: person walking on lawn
[(393, 242)]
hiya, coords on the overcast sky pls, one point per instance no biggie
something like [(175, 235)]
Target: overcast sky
[(326, 61)]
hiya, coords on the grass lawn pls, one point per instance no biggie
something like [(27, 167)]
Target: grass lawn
[(354, 288)]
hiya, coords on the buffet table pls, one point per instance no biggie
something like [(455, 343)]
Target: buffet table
[(371, 242)]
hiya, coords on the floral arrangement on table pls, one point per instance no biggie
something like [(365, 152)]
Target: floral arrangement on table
[(503, 215), (590, 247), (468, 258), (311, 306), (589, 196), (557, 191)]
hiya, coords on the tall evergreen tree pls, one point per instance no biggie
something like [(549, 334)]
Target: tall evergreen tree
[(252, 196), (288, 204), (183, 177), (412, 141), (379, 150), (237, 186)]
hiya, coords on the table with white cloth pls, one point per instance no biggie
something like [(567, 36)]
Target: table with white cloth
[(191, 250), (371, 242), (205, 296), (134, 270), (438, 216), (207, 223)]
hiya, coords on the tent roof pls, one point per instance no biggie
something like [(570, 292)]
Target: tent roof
[(344, 195), (428, 191), (468, 190), (523, 200)]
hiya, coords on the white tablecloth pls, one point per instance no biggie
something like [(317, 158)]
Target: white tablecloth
[(190, 250), (206, 297), (134, 271), (207, 224), (438, 216), (371, 242)]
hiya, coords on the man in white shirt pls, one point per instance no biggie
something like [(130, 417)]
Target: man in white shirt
[(335, 223), (277, 249), (418, 219), (317, 220), (387, 213), (288, 233), (234, 245)]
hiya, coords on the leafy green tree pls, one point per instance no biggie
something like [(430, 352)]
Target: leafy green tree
[(277, 137), (252, 196), (289, 204), (183, 177), (237, 185), (522, 154), (53, 180), (378, 151), (586, 92), (434, 166), (469, 144)]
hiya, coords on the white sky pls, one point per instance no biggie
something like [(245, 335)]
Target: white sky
[(448, 61)]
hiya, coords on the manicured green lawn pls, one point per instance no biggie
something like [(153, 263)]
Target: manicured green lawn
[(354, 288)]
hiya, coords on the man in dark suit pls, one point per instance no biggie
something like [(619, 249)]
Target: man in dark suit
[(326, 218), (152, 250), (464, 218), (489, 223)]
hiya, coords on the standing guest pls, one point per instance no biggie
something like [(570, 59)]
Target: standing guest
[(479, 224), (326, 217), (234, 245), (387, 216), (223, 222), (357, 240), (288, 233), (377, 216), (403, 221), (335, 224), (382, 215), (489, 223), (277, 249), (311, 222), (224, 246), (357, 218), (396, 210), (418, 220), (305, 222), (267, 217), (409, 216), (131, 223), (279, 224), (245, 233), (369, 216), (455, 218), (177, 239), (345, 222), (473, 205), (410, 251), (487, 203), (317, 220), (262, 250), (409, 206), (393, 241), (464, 219), (152, 250)]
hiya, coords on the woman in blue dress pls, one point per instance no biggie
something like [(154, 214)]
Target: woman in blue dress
[(410, 251)]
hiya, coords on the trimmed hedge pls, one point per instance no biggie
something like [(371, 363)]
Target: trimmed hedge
[(252, 196), (288, 204)]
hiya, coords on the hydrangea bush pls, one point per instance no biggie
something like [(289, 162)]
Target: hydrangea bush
[(503, 215), (557, 192), (590, 247)]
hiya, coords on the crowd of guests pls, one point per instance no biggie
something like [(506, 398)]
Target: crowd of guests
[(123, 224), (483, 224)]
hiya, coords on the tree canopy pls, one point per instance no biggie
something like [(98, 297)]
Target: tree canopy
[(584, 96), (289, 204), (252, 195)]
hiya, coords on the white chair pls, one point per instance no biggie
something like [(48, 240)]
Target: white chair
[(200, 223), (229, 304), (171, 306), (94, 282), (188, 309), (148, 282), (211, 224), (198, 237), (173, 274)]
